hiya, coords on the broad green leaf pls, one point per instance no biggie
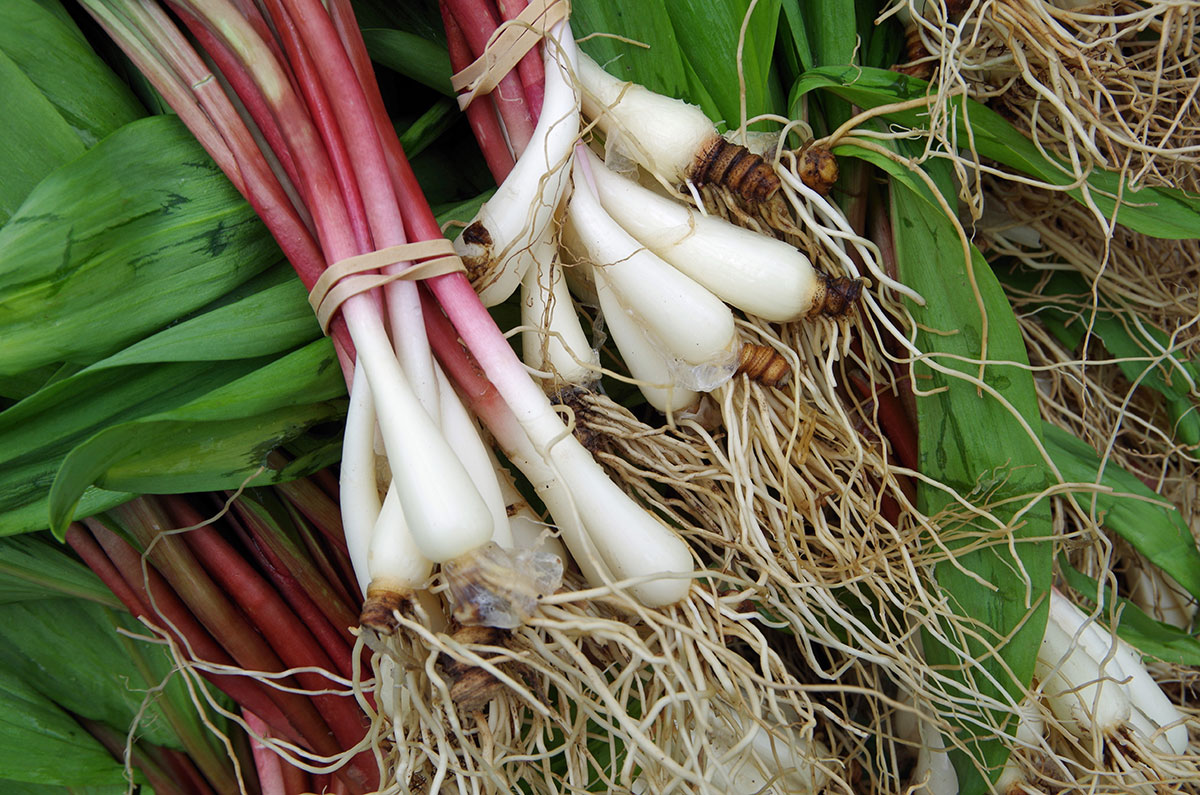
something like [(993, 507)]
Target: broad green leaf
[(140, 231), (659, 67), (833, 36), (412, 56), (33, 567), (34, 139), (971, 443), (68, 651), (798, 35), (10, 787), (707, 32), (219, 440), (1151, 638), (1155, 530), (21, 385), (244, 331), (41, 744), (880, 45), (54, 55), (832, 30), (1158, 212)]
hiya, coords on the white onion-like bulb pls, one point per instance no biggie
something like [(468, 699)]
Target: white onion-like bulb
[(691, 323), (755, 273), (520, 213)]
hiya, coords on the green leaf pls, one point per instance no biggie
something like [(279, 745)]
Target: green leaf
[(1155, 530), (429, 127), (707, 32), (410, 55), (243, 331), (46, 45), (34, 138), (659, 67), (798, 34), (140, 231), (972, 443), (41, 744), (832, 30), (32, 567), (1151, 638), (217, 441), (68, 651), (1158, 212)]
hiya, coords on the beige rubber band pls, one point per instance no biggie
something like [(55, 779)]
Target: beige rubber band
[(349, 277), (512, 41)]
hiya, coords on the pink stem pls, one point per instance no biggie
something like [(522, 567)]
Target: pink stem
[(355, 116), (247, 92), (318, 105), (530, 67), (478, 23), (266, 762), (480, 115)]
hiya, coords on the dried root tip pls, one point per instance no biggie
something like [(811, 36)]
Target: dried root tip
[(473, 688), (836, 295), (763, 364), (476, 252), (735, 168), (381, 603), (818, 169)]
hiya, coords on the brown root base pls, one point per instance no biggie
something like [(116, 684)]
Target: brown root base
[(764, 365), (473, 688), (818, 169), (735, 168), (836, 296), (378, 610)]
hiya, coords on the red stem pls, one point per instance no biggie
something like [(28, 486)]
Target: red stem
[(309, 496), (183, 625), (297, 780), (480, 115), (222, 618), (530, 67), (333, 562), (186, 773), (323, 117), (288, 637), (251, 529), (353, 115), (90, 552), (247, 92), (478, 23)]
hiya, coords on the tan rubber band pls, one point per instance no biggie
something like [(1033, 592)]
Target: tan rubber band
[(512, 41), (349, 277)]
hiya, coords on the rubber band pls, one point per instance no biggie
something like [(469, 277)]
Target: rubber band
[(348, 277), (511, 42)]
